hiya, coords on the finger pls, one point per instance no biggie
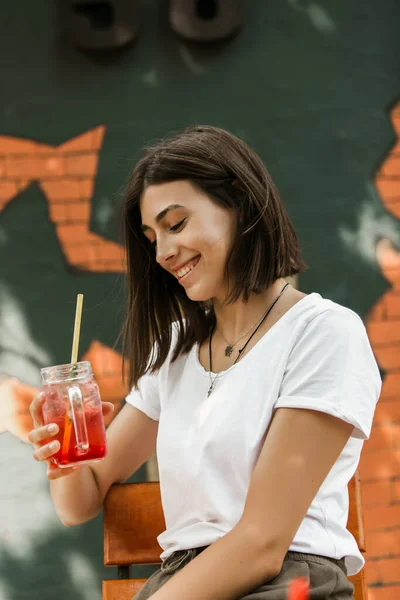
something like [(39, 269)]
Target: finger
[(45, 452), (107, 407), (43, 433), (35, 409), (54, 472)]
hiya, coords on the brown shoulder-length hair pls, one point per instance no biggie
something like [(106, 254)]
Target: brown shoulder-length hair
[(265, 249)]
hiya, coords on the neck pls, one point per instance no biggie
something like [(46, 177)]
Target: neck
[(234, 319)]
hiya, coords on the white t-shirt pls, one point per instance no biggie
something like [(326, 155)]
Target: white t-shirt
[(316, 356)]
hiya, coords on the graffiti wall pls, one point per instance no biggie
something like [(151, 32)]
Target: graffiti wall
[(314, 88), (380, 466)]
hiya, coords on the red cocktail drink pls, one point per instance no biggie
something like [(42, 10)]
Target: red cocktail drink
[(72, 401)]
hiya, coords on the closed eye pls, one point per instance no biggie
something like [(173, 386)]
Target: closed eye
[(178, 225)]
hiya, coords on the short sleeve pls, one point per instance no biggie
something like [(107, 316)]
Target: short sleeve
[(332, 369), (146, 396)]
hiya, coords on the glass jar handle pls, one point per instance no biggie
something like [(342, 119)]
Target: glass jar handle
[(78, 416)]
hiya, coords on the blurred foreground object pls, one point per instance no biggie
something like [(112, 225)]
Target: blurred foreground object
[(95, 25), (205, 20), (298, 589)]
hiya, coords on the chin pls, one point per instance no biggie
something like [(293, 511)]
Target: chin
[(199, 295)]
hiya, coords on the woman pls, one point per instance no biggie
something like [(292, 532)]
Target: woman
[(259, 396)]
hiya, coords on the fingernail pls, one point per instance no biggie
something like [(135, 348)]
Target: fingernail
[(53, 445), (52, 428)]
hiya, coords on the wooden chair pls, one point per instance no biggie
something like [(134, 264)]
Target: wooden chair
[(133, 518)]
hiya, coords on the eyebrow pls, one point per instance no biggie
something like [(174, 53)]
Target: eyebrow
[(162, 214)]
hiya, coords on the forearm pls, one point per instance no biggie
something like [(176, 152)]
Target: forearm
[(76, 497), (228, 569)]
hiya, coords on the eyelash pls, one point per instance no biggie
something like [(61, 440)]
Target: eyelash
[(174, 228)]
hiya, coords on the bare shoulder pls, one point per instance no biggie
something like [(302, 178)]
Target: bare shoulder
[(289, 299)]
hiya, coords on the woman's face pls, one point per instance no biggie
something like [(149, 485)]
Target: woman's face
[(192, 235)]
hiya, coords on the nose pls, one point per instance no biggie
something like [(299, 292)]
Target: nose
[(165, 252)]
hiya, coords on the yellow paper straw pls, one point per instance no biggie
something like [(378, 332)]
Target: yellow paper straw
[(77, 329), (74, 359)]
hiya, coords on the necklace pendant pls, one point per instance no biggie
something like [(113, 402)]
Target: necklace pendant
[(210, 389), (228, 350)]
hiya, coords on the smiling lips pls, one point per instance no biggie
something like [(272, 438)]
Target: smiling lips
[(187, 268)]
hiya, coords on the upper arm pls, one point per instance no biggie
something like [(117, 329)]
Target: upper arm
[(132, 435), (299, 450), (131, 441)]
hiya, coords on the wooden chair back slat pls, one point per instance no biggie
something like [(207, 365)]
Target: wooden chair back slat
[(355, 522), (360, 587), (133, 518)]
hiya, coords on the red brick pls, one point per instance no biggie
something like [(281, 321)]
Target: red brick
[(392, 304), (387, 412), (64, 189), (14, 145), (395, 487), (382, 437), (58, 213), (109, 250), (384, 332), (82, 142), (391, 387), (377, 493), (389, 570), (50, 167), (388, 357), (380, 465), (390, 592), (396, 435), (383, 543), (388, 188), (97, 137), (371, 572), (24, 166), (82, 165), (86, 188), (43, 149), (79, 211), (391, 165), (75, 255), (381, 517)]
